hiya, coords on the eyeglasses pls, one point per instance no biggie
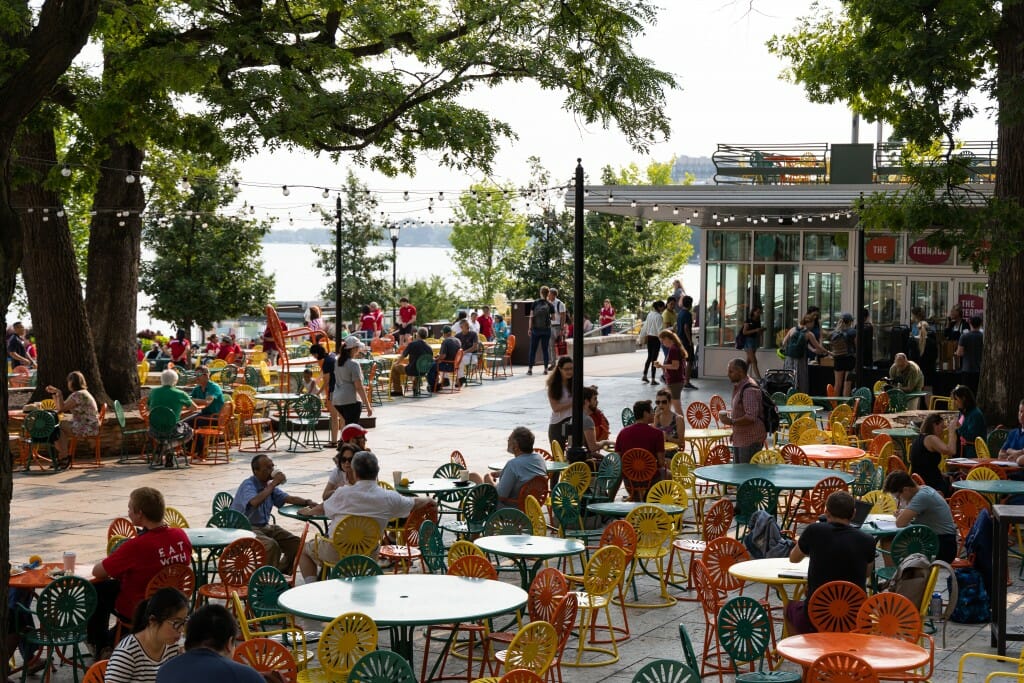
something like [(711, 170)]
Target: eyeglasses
[(177, 624)]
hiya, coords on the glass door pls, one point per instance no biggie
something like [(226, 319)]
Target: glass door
[(883, 297), (825, 290)]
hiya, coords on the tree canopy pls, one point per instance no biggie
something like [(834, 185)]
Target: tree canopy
[(488, 236)]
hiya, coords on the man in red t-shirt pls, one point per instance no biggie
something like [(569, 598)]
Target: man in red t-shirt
[(378, 318), (180, 348), (486, 324), (126, 572), (406, 320), (641, 434)]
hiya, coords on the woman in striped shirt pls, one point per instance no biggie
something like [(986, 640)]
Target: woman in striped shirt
[(159, 623)]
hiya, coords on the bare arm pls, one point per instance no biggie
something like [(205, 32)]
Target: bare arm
[(796, 555), (815, 344), (905, 517), (361, 393)]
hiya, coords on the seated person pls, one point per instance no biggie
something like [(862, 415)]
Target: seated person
[(365, 498), (501, 330), (643, 434), (470, 343), (212, 349), (1013, 447), (156, 352), (341, 474), (590, 440), (524, 466), (927, 450), (445, 357), (413, 351), (923, 505), (906, 375), (153, 641), (168, 395), (125, 574), (837, 552), (210, 639)]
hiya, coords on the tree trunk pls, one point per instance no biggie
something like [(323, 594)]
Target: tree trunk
[(112, 283), (51, 275), (1002, 377)]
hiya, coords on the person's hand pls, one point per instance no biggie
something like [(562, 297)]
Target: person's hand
[(50, 389), (369, 411)]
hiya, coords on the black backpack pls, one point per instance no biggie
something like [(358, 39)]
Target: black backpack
[(796, 346), (541, 315), (770, 416)]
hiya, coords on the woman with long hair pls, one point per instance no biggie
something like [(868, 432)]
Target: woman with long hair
[(666, 419), (674, 366), (559, 390), (342, 474), (158, 625), (972, 421), (927, 450), (649, 335), (85, 419), (752, 329), (348, 382)]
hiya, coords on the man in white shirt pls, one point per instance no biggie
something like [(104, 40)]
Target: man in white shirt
[(557, 321), (364, 498)]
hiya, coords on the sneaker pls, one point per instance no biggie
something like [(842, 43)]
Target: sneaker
[(689, 386), (644, 379), (529, 371)]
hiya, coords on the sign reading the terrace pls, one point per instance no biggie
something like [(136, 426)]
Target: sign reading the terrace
[(880, 249), (971, 305), (921, 252)]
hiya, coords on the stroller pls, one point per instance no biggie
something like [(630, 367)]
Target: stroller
[(778, 380)]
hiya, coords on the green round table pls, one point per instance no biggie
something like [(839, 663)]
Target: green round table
[(998, 487), (905, 434), (798, 409), (622, 509), (319, 521), (521, 548), (402, 602), (281, 401), (211, 540), (426, 485), (784, 477), (551, 465)]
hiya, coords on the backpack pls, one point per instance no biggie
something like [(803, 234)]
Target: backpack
[(796, 343), (978, 547), (541, 315), (911, 578), (764, 539), (770, 416), (972, 602), (741, 340)]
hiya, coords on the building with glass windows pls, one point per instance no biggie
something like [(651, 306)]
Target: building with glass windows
[(780, 231)]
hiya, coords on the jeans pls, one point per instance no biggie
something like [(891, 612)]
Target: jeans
[(541, 338)]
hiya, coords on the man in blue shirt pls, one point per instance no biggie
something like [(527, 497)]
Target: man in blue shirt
[(207, 394), (256, 498)]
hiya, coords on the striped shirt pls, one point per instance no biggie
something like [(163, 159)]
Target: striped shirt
[(129, 662)]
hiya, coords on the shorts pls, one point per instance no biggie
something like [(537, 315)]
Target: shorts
[(676, 389), (405, 329), (750, 344), (844, 363)]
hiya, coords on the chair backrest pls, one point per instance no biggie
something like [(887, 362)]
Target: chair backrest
[(688, 652), (682, 467), (64, 606), (756, 494), (174, 519), (869, 424), (653, 527), (881, 404), (833, 607), (627, 417), (545, 591), (897, 400), (965, 506), (565, 503), (881, 502), (356, 535), (813, 436), (239, 560), (822, 490), (720, 454), (123, 527), (178, 576), (463, 548), (221, 501), (716, 404), (533, 648), (544, 454), (457, 458), (864, 471), (767, 456), (834, 667), (698, 415), (308, 407), (473, 567), (799, 399), (119, 414), (622, 534), (432, 547), (265, 586), (863, 395), (720, 554), (508, 522), (266, 655), (638, 469), (609, 476), (604, 570), (228, 518), (245, 407), (96, 672), (479, 503), (844, 414), (382, 666), (344, 642), (666, 671), (799, 426), (536, 487), (915, 538), (556, 452), (793, 455), (533, 510), (894, 463), (577, 474), (986, 472), (667, 492), (717, 520), (744, 630), (995, 439), (891, 615), (354, 567)]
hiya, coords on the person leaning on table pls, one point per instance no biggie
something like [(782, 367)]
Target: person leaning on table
[(925, 506)]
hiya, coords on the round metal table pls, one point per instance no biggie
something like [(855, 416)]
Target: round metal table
[(880, 526), (426, 485), (998, 487), (881, 653), (798, 409), (832, 454), (778, 572), (623, 508), (520, 548), (210, 539), (786, 477), (319, 521), (402, 602), (701, 441), (281, 401), (40, 576)]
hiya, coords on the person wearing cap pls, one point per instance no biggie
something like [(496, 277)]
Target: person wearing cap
[(348, 382), (445, 357), (354, 434), (844, 351)]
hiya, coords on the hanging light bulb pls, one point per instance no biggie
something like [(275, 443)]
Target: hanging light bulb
[(780, 220), (654, 208), (120, 223), (405, 195), (60, 213), (632, 204), (638, 225), (610, 197), (205, 224), (65, 170), (696, 213), (714, 216), (234, 183), (326, 193), (252, 209), (440, 196), (285, 191), (186, 183), (675, 210), (586, 192), (130, 178)]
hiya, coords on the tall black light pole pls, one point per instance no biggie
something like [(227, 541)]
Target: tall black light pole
[(578, 452), (858, 303), (337, 274), (393, 229)]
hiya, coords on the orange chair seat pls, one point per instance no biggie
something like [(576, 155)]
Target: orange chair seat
[(223, 591)]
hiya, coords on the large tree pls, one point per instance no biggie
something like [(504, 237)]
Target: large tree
[(488, 237), (919, 67)]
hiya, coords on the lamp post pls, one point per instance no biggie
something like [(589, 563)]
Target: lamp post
[(578, 452), (337, 274), (393, 230)]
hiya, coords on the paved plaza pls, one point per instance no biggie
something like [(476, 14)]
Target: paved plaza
[(71, 510)]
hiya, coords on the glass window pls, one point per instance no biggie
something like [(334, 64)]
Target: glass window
[(728, 294), (883, 248), (776, 246), (882, 299), (777, 290), (826, 246), (932, 296), (825, 290), (728, 246)]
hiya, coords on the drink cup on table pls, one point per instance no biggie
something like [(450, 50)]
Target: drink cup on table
[(397, 474), (69, 561), (463, 475)]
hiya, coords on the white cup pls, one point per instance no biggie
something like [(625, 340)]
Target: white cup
[(69, 561), (463, 475), (397, 474)]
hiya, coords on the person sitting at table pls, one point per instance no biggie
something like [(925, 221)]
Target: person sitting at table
[(255, 499), (500, 328), (1013, 448), (671, 424), (167, 395), (153, 641), (156, 352), (972, 420), (926, 506), (210, 637), (593, 444), (470, 343), (366, 498), (413, 351), (229, 350), (84, 422), (906, 375), (209, 397), (180, 348), (445, 356), (837, 552), (524, 466), (643, 434), (124, 575), (341, 474), (212, 348), (927, 450)]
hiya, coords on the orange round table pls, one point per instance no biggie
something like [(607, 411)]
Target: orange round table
[(831, 455), (881, 653), (38, 578)]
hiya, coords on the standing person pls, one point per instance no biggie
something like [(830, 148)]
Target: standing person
[(84, 420), (677, 289), (367, 324), (159, 622), (968, 350), (348, 382), (643, 434), (327, 380), (837, 552), (125, 573), (486, 323), (684, 330), (210, 637), (972, 421), (751, 332), (606, 317), (675, 361), (559, 391), (649, 336), (540, 330), (957, 325), (256, 498), (795, 345), (180, 348), (670, 314), (747, 415), (470, 343), (844, 351), (671, 423), (378, 319), (558, 320), (17, 353), (406, 320), (927, 450), (926, 506)]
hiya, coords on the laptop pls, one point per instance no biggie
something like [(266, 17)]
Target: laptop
[(860, 513)]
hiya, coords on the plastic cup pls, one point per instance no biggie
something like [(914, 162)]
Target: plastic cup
[(397, 474), (69, 561), (463, 475)]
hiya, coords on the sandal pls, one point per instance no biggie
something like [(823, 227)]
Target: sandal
[(331, 444)]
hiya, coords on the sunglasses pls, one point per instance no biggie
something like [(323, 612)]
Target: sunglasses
[(661, 403)]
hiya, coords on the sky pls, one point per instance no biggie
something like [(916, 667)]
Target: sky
[(730, 92)]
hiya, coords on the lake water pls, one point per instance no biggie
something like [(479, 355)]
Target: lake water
[(297, 278)]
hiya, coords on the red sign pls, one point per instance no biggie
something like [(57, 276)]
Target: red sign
[(921, 252), (880, 249), (971, 305)]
